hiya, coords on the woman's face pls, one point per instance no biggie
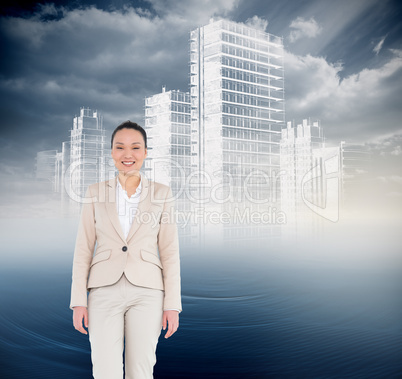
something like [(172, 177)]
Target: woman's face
[(128, 151)]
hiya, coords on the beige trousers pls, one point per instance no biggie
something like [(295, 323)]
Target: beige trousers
[(124, 314)]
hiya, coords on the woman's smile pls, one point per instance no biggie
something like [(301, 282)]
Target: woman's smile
[(128, 163)]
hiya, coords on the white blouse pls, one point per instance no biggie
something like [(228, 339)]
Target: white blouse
[(127, 208)]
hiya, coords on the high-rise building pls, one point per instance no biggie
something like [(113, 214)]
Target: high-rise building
[(311, 179), (82, 161), (85, 154), (168, 127), (237, 113), (296, 157)]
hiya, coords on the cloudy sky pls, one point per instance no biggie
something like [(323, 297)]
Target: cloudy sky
[(343, 65)]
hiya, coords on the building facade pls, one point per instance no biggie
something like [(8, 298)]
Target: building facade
[(311, 179), (237, 113), (82, 161), (168, 127), (87, 148), (296, 160)]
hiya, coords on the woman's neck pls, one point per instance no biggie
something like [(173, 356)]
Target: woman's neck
[(129, 180)]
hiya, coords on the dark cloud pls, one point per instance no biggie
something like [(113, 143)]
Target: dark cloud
[(356, 108), (104, 60), (57, 58)]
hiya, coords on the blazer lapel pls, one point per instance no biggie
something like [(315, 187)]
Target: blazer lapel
[(143, 205), (111, 206)]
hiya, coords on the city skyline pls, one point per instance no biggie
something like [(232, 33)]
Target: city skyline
[(350, 84)]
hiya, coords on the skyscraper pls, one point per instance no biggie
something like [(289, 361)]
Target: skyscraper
[(297, 145), (86, 154), (238, 111), (311, 179), (82, 161), (168, 127)]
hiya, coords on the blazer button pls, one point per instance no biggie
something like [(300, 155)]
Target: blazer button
[(124, 248)]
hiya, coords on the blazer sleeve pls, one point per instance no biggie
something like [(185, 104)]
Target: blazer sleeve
[(83, 253), (168, 246)]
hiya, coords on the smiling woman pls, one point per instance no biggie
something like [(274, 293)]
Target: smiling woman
[(129, 149), (134, 277)]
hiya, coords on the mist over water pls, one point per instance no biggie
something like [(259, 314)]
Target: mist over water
[(328, 306)]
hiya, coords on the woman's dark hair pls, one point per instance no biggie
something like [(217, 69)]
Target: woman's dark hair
[(130, 125)]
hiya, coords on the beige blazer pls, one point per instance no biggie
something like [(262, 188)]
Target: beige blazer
[(149, 257)]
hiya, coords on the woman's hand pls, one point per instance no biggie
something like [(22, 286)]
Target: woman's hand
[(172, 319), (80, 313)]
